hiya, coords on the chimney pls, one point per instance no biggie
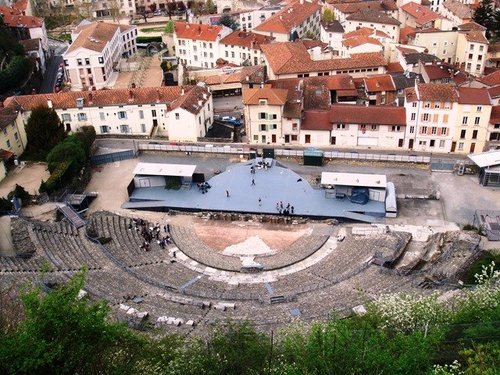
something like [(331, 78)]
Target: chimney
[(247, 78), (49, 102), (130, 95), (91, 97), (133, 85), (182, 91), (158, 96)]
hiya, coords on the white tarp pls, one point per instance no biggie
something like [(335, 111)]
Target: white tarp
[(159, 169), (354, 179)]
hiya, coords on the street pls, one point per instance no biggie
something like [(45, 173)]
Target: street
[(57, 49)]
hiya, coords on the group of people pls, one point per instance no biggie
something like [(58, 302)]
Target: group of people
[(151, 233), (284, 210), (260, 165), (203, 187)]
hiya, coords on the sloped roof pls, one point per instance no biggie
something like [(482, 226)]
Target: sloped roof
[(376, 114), (491, 79), (378, 6), (473, 95), (379, 83), (7, 116), (94, 36), (316, 120), (195, 31), (273, 96), (437, 71), (471, 26), (245, 39), (421, 13), (495, 115), (369, 15), (13, 17), (476, 36), (192, 101), (359, 41), (437, 92), (292, 57), (333, 27), (291, 16), (494, 91), (460, 10), (31, 44)]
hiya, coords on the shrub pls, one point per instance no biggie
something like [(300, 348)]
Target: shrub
[(21, 193), (148, 39), (56, 178)]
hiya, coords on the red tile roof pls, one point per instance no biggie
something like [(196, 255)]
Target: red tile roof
[(476, 36), (437, 71), (171, 95), (14, 18), (195, 31), (472, 95), (289, 17), (458, 9), (394, 67), (379, 83), (292, 57), (406, 32), (421, 13), (376, 115), (437, 92), (365, 31), (492, 79), (245, 39), (494, 91), (495, 114), (359, 41), (379, 6), (369, 15), (273, 96), (316, 120)]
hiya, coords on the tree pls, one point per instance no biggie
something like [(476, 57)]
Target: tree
[(210, 7), (328, 15), (169, 28), (228, 21), (484, 15), (69, 150), (44, 130), (86, 135), (496, 24)]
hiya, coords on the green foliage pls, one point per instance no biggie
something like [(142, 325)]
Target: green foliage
[(21, 193), (15, 74), (148, 39), (484, 15), (62, 334), (228, 21), (210, 7), (56, 179), (482, 359), (476, 268), (169, 28), (44, 131), (328, 15), (86, 135), (68, 150)]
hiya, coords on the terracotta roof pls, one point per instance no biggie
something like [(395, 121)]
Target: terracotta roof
[(437, 71), (254, 73), (219, 79), (378, 6), (379, 83), (366, 31), (94, 36), (333, 82), (292, 57), (494, 91), (245, 39), (359, 41), (14, 18), (101, 98), (368, 15), (460, 10), (310, 43), (20, 5), (316, 120), (471, 26), (191, 100), (476, 36), (394, 67), (495, 114), (31, 44), (291, 16), (406, 51), (491, 79), (437, 92), (7, 116), (333, 27), (195, 31), (405, 32), (372, 115), (273, 96), (421, 13), (472, 95)]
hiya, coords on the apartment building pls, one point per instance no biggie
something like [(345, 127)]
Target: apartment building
[(295, 60), (456, 11), (250, 19), (294, 21), (430, 117), (197, 45), (332, 34), (378, 21), (13, 138), (473, 116), (440, 43), (242, 47), (420, 17), (96, 49), (179, 113), (24, 27), (472, 48), (493, 134)]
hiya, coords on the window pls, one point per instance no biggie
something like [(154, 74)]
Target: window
[(422, 143), (442, 143), (427, 104), (153, 112), (412, 129), (477, 120), (478, 67), (469, 66), (437, 105), (274, 116), (414, 104), (124, 129), (474, 134), (374, 127), (274, 126), (87, 61), (444, 131), (8, 143), (307, 138), (262, 101), (256, 138), (479, 57), (470, 56), (432, 143), (122, 115), (340, 126), (445, 119), (89, 71), (463, 133), (177, 116), (66, 63), (481, 48), (295, 127), (479, 108), (141, 114), (425, 117), (79, 61), (262, 127), (464, 120), (424, 130), (434, 130), (66, 117), (460, 145), (82, 117), (396, 128), (104, 129), (471, 47), (101, 60), (262, 116), (435, 117), (143, 128), (16, 136), (447, 105)]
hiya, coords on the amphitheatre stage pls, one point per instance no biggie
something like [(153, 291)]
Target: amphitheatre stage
[(271, 185)]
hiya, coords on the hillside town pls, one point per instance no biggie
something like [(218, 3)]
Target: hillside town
[(213, 173)]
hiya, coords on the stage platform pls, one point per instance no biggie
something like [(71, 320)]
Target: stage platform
[(272, 185)]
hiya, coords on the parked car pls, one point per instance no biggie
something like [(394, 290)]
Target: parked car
[(231, 120), (158, 12)]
